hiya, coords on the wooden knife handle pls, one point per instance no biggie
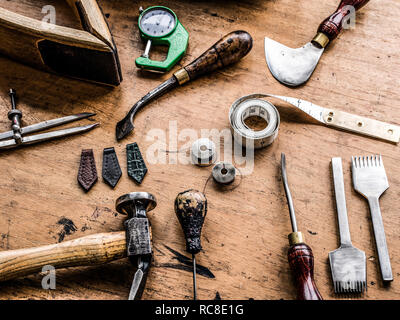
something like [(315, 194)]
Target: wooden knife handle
[(332, 25), (301, 261), (87, 251), (230, 49)]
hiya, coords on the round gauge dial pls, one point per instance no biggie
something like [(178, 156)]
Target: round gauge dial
[(157, 22)]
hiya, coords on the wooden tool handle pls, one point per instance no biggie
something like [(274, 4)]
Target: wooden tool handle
[(301, 261), (91, 250), (332, 25), (230, 49)]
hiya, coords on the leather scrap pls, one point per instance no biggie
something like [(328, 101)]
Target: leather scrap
[(136, 167), (87, 174), (111, 170)]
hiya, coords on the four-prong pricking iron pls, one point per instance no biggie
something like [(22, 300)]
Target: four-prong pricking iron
[(17, 136), (370, 180)]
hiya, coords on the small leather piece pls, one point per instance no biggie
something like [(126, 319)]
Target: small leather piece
[(111, 169), (136, 167), (87, 174)]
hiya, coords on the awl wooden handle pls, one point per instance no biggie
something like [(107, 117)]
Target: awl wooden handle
[(301, 261), (332, 25), (230, 49), (87, 251)]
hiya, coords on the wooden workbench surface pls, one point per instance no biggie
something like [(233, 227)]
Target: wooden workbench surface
[(245, 235)]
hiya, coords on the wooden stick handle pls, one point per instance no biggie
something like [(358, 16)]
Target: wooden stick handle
[(230, 49), (301, 260), (87, 251), (332, 25)]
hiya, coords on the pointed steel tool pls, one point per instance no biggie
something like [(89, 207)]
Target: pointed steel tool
[(17, 136), (293, 67), (191, 210), (138, 236), (300, 255), (348, 264)]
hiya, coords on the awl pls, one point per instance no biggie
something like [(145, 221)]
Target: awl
[(294, 67), (301, 258)]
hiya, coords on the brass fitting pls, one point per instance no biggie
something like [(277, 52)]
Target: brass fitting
[(182, 76), (296, 238), (321, 39)]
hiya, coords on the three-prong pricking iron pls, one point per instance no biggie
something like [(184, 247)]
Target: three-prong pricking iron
[(17, 135)]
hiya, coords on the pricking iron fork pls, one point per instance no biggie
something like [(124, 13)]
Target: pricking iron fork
[(16, 137), (348, 264)]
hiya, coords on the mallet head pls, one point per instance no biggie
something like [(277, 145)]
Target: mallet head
[(136, 203)]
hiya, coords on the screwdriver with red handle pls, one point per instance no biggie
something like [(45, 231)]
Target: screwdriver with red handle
[(301, 258)]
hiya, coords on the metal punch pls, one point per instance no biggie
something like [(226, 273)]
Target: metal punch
[(17, 136)]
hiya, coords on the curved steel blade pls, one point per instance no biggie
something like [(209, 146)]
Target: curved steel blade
[(292, 67)]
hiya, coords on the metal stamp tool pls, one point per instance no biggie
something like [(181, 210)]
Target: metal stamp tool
[(301, 258), (160, 26), (191, 211), (224, 173), (230, 49), (370, 180), (246, 107), (18, 135), (293, 67), (138, 236), (348, 264), (203, 152)]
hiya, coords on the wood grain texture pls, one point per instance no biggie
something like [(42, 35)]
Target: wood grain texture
[(228, 50), (86, 251), (245, 234), (301, 261), (332, 25)]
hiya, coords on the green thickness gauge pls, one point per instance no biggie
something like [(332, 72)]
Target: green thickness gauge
[(160, 26)]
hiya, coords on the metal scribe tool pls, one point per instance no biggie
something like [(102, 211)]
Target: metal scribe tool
[(191, 210), (17, 136), (300, 255), (293, 67), (230, 49), (348, 264)]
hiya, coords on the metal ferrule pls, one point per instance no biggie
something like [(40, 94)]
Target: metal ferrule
[(296, 238), (182, 76), (321, 40)]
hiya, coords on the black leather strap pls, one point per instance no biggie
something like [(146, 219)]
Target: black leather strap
[(111, 169)]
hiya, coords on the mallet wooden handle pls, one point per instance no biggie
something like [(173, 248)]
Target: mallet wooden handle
[(301, 261), (332, 25), (87, 251)]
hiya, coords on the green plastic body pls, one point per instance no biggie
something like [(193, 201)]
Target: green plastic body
[(177, 41)]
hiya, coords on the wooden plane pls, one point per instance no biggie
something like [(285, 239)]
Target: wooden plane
[(88, 54)]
